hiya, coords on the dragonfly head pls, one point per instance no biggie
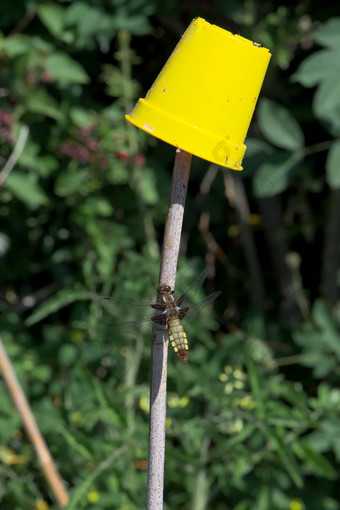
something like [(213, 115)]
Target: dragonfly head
[(165, 290)]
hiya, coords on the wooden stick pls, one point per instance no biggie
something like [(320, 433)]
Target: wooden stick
[(12, 160), (159, 349), (32, 429)]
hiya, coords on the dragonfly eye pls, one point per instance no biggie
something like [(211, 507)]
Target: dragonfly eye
[(165, 289)]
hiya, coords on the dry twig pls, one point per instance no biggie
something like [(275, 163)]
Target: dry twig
[(32, 429)]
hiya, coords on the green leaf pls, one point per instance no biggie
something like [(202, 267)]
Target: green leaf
[(256, 153), (245, 433), (274, 176), (15, 45), (96, 205), (74, 443), (326, 103), (316, 462), (333, 165), (63, 298), (147, 187), (67, 355), (316, 67), (45, 165), (26, 188), (325, 321), (319, 341), (329, 33), (279, 126), (286, 456), (40, 101), (90, 21), (83, 117), (64, 69), (70, 181), (53, 17)]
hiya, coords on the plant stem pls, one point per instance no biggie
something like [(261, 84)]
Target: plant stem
[(159, 348), (330, 262), (273, 225), (201, 491)]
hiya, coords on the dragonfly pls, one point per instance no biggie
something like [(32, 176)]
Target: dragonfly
[(169, 312)]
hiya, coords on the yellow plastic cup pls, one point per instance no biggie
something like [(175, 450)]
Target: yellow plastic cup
[(204, 98)]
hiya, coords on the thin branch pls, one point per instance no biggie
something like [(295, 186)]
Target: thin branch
[(330, 262), (240, 202), (12, 160), (24, 21), (159, 349), (273, 225), (196, 206), (20, 401)]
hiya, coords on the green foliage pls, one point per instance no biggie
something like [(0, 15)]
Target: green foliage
[(322, 69), (279, 126), (319, 340), (82, 215)]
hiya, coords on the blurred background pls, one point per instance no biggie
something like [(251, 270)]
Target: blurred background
[(253, 418)]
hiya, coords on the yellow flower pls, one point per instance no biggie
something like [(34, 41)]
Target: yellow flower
[(239, 374), (237, 426), (144, 403), (175, 400), (41, 505), (76, 417), (9, 457), (228, 388), (296, 504), (245, 402), (254, 219), (228, 369), (77, 336), (183, 401), (93, 496)]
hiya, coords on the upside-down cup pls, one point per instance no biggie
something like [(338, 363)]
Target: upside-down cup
[(204, 97)]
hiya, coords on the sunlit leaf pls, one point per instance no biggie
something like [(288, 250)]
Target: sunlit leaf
[(52, 15), (15, 45), (40, 101), (26, 188), (64, 69)]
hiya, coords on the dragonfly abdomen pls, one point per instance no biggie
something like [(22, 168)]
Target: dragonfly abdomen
[(178, 338)]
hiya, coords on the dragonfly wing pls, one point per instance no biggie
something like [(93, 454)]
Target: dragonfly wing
[(119, 312), (195, 309), (197, 283), (194, 289)]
